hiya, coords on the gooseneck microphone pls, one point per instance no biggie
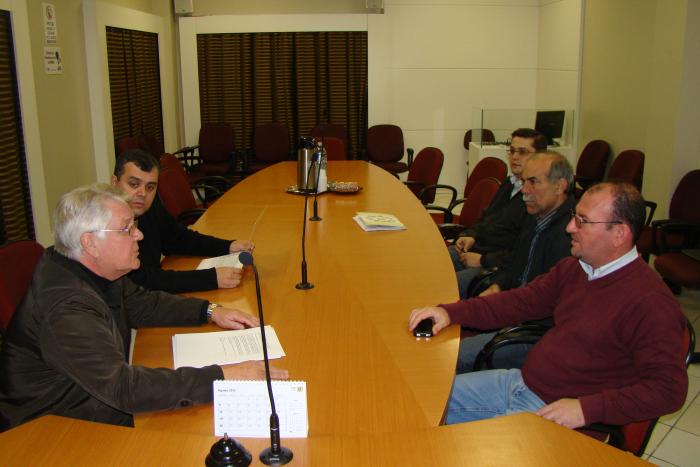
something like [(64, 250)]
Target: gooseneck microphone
[(319, 151), (305, 284), (276, 454)]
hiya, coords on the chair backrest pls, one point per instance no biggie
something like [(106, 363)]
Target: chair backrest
[(216, 142), (151, 145), (271, 142), (593, 160), (628, 166), (684, 203), (425, 171), (487, 136), (324, 130), (385, 143), (126, 143), (486, 167), (18, 259), (335, 149), (171, 162), (478, 200), (174, 191)]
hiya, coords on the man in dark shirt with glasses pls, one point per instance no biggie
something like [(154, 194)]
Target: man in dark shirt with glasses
[(484, 243)]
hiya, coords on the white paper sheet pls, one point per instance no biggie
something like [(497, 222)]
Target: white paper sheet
[(230, 261), (224, 347)]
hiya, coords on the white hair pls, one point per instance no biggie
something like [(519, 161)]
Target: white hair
[(82, 210)]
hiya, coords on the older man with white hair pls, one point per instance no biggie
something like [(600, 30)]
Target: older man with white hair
[(66, 350)]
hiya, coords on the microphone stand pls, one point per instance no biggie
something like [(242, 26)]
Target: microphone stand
[(276, 454), (305, 284), (316, 217)]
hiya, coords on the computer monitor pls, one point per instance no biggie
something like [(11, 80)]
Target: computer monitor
[(550, 123)]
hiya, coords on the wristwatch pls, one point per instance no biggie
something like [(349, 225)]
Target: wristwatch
[(210, 311)]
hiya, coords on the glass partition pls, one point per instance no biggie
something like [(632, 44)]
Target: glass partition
[(557, 124)]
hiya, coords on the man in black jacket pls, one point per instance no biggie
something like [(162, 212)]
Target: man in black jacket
[(485, 243), (136, 175), (548, 182), (66, 349)]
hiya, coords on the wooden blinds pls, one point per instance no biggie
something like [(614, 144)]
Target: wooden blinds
[(16, 221), (134, 83), (299, 79)]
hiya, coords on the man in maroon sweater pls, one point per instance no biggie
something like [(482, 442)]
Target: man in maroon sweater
[(615, 352)]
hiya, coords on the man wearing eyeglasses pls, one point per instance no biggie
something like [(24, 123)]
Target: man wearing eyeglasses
[(66, 349), (488, 241), (136, 175), (615, 354), (548, 182)]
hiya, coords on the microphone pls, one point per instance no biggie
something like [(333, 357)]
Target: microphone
[(276, 454), (319, 162), (305, 284)]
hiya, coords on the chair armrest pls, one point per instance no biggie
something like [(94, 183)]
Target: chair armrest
[(187, 157), (584, 182), (446, 215), (485, 357), (689, 230), (216, 181), (481, 282), (421, 192), (450, 232), (207, 194), (453, 190), (652, 209), (190, 216), (615, 436), (409, 151), (186, 150)]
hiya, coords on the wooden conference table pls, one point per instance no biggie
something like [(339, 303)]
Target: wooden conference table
[(375, 394), (347, 337)]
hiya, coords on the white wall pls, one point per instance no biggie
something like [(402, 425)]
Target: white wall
[(558, 61), (639, 86), (431, 64)]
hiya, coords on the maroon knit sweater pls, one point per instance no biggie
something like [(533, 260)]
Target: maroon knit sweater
[(616, 344)]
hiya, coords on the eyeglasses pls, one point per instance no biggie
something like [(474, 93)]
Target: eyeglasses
[(580, 221), (520, 151), (126, 230)]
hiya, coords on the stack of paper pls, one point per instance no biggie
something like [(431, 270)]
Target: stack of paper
[(230, 261), (224, 347), (371, 221)]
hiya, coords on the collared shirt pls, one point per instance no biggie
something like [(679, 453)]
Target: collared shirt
[(542, 223), (612, 266), (517, 185)]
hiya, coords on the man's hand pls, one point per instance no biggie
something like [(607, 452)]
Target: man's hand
[(470, 260), (252, 370), (241, 246), (230, 318), (492, 289), (228, 278), (439, 316), (566, 412), (463, 244)]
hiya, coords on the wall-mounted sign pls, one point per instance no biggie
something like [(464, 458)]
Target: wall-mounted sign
[(50, 27), (52, 61)]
